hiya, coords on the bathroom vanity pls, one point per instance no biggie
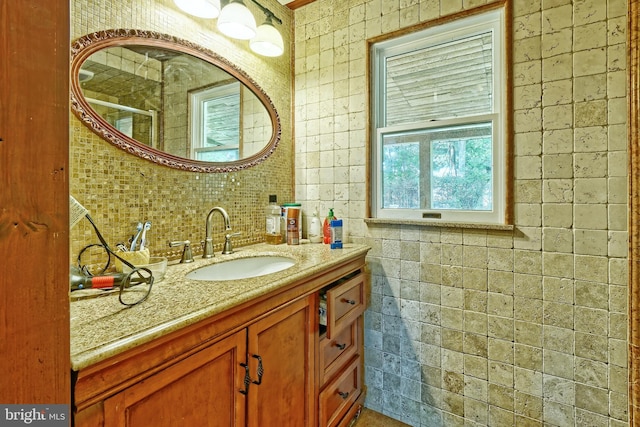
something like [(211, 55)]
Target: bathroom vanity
[(251, 352)]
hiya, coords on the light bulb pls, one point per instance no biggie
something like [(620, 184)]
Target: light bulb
[(237, 21), (268, 40)]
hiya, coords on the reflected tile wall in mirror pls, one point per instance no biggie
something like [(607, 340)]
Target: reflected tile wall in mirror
[(120, 189)]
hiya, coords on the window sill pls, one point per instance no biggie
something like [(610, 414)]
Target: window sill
[(440, 224)]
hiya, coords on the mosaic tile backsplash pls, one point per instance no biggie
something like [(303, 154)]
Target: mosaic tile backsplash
[(120, 190)]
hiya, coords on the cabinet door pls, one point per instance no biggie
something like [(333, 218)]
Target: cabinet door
[(202, 390), (284, 344)]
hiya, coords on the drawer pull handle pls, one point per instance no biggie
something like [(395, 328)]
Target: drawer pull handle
[(350, 301), (343, 394), (341, 346)]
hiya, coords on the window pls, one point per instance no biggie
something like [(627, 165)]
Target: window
[(438, 118), (216, 123)]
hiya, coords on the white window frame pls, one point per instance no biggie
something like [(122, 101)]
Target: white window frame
[(493, 20), (198, 99)]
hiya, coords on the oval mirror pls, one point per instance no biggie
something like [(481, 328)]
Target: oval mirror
[(171, 101)]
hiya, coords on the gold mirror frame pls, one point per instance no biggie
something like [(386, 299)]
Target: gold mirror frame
[(634, 209), (85, 46)]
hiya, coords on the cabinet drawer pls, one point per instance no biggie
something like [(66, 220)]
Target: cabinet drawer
[(340, 394), (335, 352), (345, 303)]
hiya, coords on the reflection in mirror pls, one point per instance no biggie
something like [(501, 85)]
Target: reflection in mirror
[(171, 102), (215, 123)]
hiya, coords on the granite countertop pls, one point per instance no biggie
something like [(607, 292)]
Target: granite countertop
[(101, 327)]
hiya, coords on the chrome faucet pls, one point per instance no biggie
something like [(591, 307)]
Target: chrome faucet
[(208, 240)]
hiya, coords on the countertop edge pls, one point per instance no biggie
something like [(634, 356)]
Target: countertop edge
[(102, 351)]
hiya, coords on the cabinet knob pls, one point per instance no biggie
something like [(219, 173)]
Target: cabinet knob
[(343, 394), (350, 301), (341, 346)]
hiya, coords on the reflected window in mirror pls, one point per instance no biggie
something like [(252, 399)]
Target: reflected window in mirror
[(125, 125), (134, 89), (216, 123), (138, 124)]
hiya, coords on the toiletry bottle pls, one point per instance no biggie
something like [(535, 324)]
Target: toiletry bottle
[(298, 207), (272, 213), (283, 224), (314, 233), (336, 233), (326, 227), (293, 225)]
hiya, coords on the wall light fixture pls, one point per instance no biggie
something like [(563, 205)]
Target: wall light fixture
[(268, 40), (235, 20)]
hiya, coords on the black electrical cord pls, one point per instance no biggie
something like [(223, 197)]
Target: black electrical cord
[(102, 244), (83, 267), (149, 280)]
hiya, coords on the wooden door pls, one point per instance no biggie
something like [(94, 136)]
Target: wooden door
[(202, 390), (34, 202), (283, 342)]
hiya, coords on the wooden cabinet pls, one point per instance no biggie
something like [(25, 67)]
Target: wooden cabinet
[(213, 387), (281, 344), (201, 390), (266, 363), (259, 376), (341, 351)]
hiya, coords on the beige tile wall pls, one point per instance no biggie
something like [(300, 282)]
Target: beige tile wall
[(120, 189), (475, 327)]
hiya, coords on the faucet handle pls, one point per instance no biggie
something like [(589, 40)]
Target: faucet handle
[(228, 247), (187, 255)]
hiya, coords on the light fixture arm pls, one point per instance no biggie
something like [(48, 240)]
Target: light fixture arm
[(270, 15)]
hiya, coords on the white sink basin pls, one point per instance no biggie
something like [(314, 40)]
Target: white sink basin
[(242, 268)]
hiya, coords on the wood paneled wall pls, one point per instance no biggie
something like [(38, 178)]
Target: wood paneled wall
[(34, 202)]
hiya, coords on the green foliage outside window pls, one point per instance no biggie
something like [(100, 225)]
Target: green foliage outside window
[(461, 174), (401, 171)]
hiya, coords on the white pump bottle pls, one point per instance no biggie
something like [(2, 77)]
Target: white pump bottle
[(314, 232)]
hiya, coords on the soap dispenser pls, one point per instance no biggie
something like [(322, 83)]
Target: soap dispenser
[(314, 233), (326, 227)]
